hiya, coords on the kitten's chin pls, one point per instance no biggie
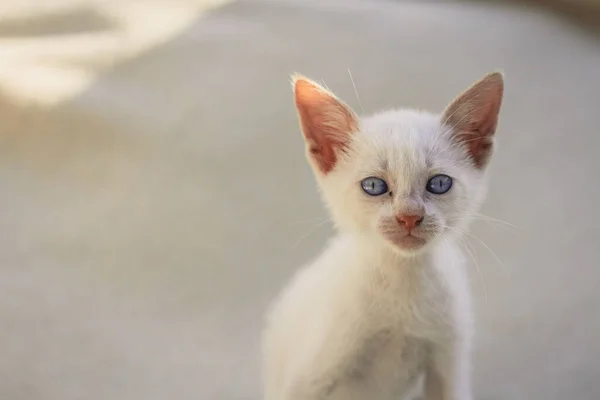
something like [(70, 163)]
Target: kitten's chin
[(410, 242), (407, 243)]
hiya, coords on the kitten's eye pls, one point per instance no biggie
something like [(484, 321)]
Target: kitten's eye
[(374, 186), (439, 184)]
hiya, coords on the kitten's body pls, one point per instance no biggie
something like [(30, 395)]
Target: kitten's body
[(360, 323), (376, 311)]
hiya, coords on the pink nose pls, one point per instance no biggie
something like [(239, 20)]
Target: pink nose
[(409, 221)]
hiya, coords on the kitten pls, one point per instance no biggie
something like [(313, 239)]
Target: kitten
[(388, 300)]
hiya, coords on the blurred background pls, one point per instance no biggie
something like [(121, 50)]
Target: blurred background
[(154, 193)]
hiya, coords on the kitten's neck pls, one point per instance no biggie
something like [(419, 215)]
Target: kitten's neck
[(370, 248)]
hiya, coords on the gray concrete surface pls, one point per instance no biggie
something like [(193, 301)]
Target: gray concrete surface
[(147, 221)]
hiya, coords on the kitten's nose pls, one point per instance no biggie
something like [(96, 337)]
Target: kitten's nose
[(409, 221)]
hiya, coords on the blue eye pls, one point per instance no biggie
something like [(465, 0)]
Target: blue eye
[(439, 184), (374, 186)]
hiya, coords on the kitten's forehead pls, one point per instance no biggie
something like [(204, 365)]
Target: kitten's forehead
[(402, 139), (404, 124)]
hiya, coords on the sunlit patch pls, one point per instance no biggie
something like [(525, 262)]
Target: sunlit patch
[(50, 69)]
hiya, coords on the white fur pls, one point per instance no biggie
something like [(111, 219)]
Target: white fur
[(367, 318)]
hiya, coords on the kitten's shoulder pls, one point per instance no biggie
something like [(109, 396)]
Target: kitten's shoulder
[(326, 274)]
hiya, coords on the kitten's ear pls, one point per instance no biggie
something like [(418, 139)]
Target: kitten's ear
[(473, 117), (326, 122)]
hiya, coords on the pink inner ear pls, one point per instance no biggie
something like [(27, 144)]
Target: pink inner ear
[(473, 117), (479, 146), (326, 123)]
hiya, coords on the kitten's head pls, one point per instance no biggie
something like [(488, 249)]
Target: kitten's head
[(405, 177)]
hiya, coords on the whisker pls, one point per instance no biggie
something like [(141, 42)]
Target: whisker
[(315, 219), (490, 250), (356, 91), (469, 248), (313, 229), (476, 218), (483, 217)]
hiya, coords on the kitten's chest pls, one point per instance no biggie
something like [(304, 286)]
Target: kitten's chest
[(401, 328), (415, 304), (386, 366)]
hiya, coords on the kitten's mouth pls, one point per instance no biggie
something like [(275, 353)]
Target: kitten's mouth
[(406, 240)]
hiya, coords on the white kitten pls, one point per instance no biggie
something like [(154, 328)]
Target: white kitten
[(388, 300)]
